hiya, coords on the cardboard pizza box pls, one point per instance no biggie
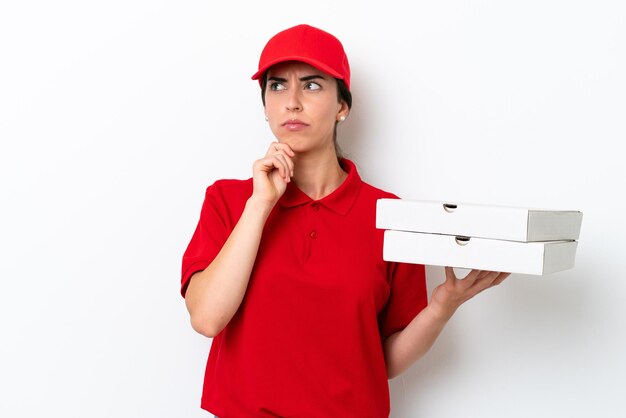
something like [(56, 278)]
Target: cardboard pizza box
[(481, 221), (536, 258)]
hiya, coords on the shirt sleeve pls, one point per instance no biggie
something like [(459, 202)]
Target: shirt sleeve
[(209, 237), (408, 296)]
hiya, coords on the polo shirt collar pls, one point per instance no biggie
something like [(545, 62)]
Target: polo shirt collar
[(340, 201)]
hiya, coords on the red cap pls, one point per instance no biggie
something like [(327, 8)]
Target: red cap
[(306, 44)]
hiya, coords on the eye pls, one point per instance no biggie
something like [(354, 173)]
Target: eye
[(276, 86), (312, 86)]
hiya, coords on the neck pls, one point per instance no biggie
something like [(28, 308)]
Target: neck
[(318, 175)]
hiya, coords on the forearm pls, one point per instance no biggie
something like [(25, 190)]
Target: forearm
[(405, 347), (214, 295)]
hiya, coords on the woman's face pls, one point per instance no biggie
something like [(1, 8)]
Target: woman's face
[(302, 107)]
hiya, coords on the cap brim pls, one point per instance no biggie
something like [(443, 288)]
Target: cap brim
[(314, 63)]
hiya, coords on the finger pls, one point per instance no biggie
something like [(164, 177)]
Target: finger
[(471, 277), (489, 276), (282, 149), (272, 163), (287, 170), (486, 281), (500, 278), (287, 149), (278, 147), (483, 274), (272, 149), (450, 276), (290, 163)]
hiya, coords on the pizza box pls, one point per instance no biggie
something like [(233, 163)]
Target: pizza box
[(481, 221), (537, 258)]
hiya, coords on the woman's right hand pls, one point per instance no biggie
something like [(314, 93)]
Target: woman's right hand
[(271, 174), (215, 294)]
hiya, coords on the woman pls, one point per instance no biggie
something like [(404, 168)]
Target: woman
[(285, 269)]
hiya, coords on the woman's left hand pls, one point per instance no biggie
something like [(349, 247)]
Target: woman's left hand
[(448, 296)]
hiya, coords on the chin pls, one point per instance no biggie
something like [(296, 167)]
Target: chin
[(296, 143)]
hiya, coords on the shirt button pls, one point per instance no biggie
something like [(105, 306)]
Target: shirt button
[(316, 206), (313, 234)]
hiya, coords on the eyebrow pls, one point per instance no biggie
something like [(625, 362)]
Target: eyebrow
[(305, 78)]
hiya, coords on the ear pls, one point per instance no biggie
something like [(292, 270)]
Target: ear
[(343, 112)]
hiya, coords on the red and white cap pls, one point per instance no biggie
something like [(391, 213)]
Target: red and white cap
[(309, 45)]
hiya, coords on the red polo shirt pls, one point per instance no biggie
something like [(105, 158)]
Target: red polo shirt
[(307, 338)]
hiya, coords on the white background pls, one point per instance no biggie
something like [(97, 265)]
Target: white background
[(115, 116)]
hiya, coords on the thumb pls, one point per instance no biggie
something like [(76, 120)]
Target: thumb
[(450, 276)]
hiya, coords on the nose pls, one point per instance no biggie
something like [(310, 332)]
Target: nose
[(294, 102)]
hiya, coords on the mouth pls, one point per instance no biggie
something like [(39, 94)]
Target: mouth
[(294, 125)]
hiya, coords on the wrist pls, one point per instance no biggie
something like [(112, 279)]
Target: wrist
[(441, 312), (259, 205)]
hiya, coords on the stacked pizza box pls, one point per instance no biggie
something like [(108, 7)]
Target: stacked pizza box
[(497, 238)]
